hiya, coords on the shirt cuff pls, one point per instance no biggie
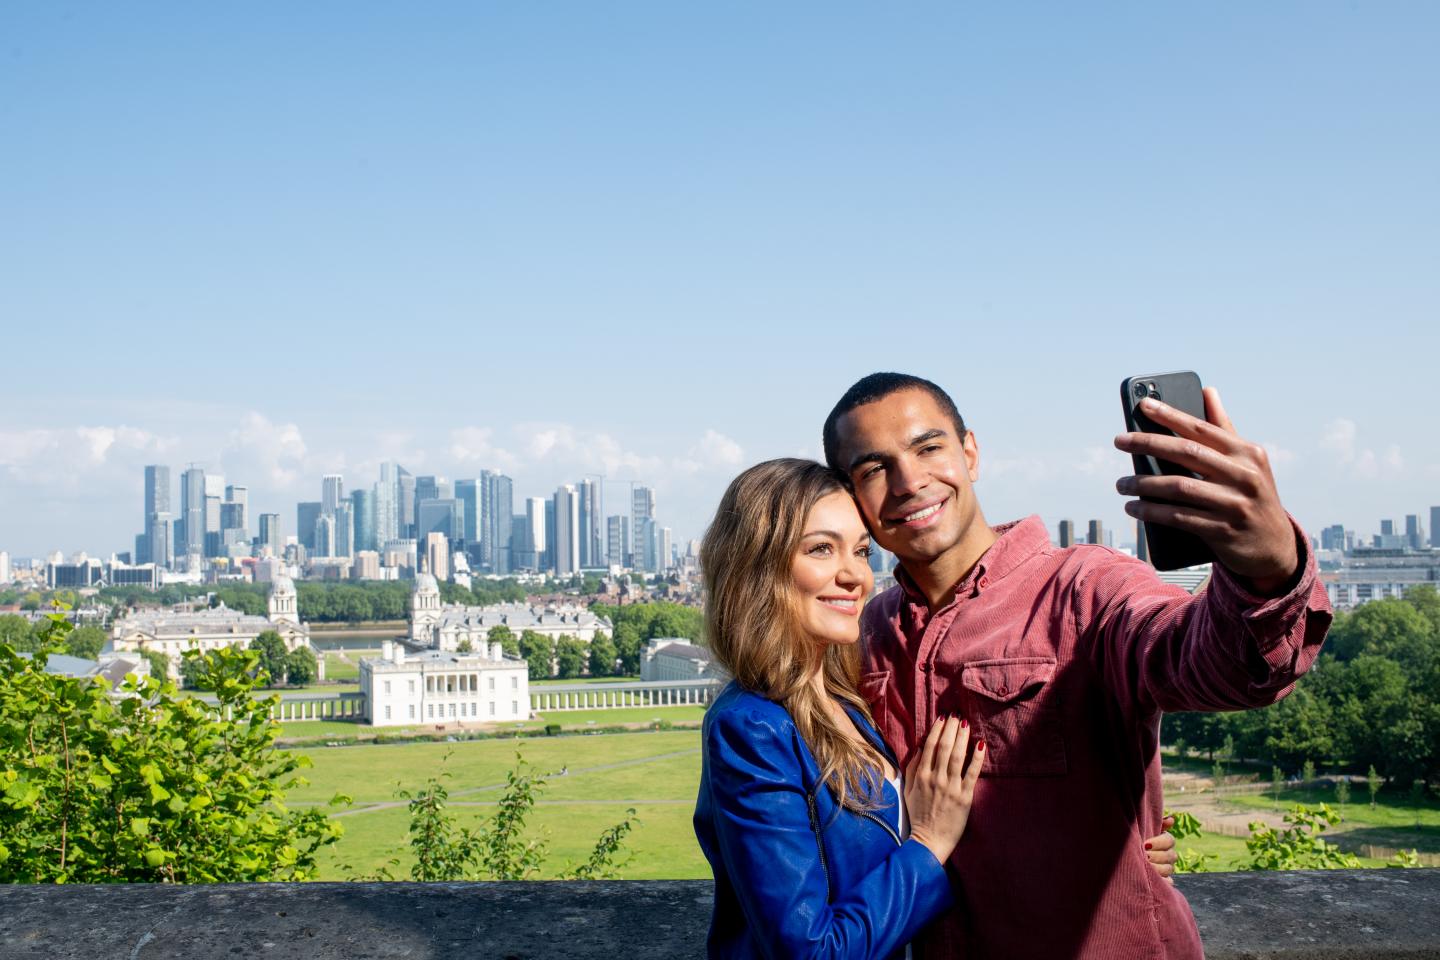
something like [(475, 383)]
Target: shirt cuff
[(1272, 620)]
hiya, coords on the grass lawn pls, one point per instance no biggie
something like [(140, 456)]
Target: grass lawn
[(339, 668), (656, 773), (557, 681), (1231, 851)]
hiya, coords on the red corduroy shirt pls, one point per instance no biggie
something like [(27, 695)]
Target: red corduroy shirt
[(1063, 661)]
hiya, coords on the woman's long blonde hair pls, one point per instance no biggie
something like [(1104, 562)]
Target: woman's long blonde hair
[(752, 616)]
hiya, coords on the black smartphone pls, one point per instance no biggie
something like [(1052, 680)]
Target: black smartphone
[(1169, 549)]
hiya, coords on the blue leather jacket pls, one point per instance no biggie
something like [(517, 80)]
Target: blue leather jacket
[(796, 874)]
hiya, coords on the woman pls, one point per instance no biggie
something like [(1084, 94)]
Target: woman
[(818, 846), (800, 811)]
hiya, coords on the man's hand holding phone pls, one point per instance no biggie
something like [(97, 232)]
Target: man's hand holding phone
[(1233, 506)]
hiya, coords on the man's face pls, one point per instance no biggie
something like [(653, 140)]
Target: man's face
[(912, 475)]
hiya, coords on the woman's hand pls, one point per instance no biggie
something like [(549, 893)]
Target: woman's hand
[(939, 786), (1160, 851)]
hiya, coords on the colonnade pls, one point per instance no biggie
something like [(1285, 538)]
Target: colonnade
[(343, 707), (608, 696)]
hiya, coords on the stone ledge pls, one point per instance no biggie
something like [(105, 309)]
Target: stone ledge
[(1354, 915)]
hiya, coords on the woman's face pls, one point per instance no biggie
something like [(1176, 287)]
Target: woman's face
[(831, 570)]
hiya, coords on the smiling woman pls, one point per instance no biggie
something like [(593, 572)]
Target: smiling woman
[(817, 845)]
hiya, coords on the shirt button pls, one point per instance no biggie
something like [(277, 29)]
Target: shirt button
[(1004, 691), (984, 581), (925, 667)]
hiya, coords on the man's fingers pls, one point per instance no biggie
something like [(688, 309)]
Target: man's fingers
[(1190, 519), (1215, 411), (1186, 491), (1190, 427), (1192, 454)]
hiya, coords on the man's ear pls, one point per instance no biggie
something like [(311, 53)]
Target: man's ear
[(971, 447)]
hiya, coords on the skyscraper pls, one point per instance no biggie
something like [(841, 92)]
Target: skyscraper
[(441, 516), (192, 506), (270, 533), (1435, 527), (362, 505), (325, 535), (157, 501), (437, 555), (344, 517), (535, 510), (1067, 533), (642, 508), (387, 522), (332, 491), (306, 513), (1414, 533), (1142, 545), (405, 503), (567, 530), (592, 522), (497, 508), (468, 493), (1097, 533), (617, 536)]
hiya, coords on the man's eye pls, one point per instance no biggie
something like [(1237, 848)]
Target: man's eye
[(930, 448), (869, 472)]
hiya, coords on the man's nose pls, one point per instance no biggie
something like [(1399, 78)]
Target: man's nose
[(906, 478)]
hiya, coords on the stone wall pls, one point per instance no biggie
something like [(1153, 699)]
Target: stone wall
[(1354, 915)]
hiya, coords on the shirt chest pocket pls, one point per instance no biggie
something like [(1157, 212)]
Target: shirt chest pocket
[(1015, 703)]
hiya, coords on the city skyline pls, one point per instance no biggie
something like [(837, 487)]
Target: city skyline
[(560, 243)]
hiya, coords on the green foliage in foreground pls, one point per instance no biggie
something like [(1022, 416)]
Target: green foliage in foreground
[(498, 849), (150, 787), (1297, 846)]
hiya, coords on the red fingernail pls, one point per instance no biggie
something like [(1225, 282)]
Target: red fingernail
[(963, 723), (980, 745), (1147, 846)]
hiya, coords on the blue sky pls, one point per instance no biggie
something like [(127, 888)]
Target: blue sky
[(659, 240)]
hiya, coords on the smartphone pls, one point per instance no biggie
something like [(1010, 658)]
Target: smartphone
[(1169, 549)]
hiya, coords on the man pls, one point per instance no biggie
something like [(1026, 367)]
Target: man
[(1064, 660)]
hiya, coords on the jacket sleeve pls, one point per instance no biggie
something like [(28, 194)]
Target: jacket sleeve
[(1222, 649), (770, 852)]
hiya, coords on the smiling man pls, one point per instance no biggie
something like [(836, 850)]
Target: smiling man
[(1064, 661)]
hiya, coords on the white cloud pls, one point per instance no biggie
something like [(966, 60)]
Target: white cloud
[(262, 451), (475, 445), (65, 457), (1341, 438)]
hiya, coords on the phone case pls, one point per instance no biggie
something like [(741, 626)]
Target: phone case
[(1170, 549)]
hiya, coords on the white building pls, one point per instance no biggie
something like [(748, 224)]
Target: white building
[(675, 658), (173, 633), (440, 686), (445, 626)]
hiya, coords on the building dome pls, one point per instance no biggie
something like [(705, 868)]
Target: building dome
[(282, 586), (425, 583)]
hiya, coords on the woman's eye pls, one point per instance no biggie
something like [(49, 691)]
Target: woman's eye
[(863, 552), (819, 550)]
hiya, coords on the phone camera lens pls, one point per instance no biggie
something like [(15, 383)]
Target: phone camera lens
[(1142, 390), (1154, 391)]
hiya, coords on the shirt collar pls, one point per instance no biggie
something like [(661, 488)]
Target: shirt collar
[(1016, 542)]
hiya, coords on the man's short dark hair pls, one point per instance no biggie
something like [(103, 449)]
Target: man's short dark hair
[(878, 386)]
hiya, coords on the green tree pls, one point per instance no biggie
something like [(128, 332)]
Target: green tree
[(86, 642), (159, 663), (1342, 793), (628, 644), (502, 635), (150, 787), (1372, 783), (1307, 771), (1276, 780), (301, 666), (602, 656), (539, 650), (570, 656), (274, 658), (31, 601), (16, 633), (465, 646)]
